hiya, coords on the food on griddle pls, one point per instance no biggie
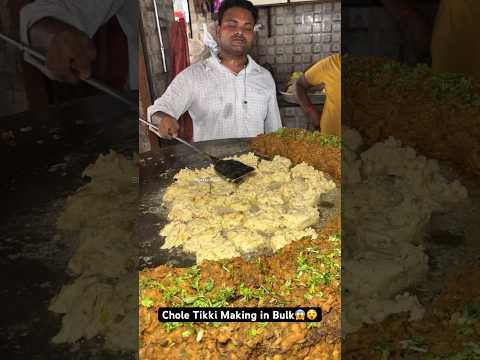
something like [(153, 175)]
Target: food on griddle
[(306, 271), (214, 219), (318, 150), (437, 114), (389, 193), (449, 330), (99, 219)]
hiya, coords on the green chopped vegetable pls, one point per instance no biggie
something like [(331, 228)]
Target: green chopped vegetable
[(309, 136)]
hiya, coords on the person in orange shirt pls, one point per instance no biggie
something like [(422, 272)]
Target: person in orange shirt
[(325, 73), (452, 40), (455, 46)]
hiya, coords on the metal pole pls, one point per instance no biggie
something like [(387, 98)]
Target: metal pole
[(190, 19), (162, 48)]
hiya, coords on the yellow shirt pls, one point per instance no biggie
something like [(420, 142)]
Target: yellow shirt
[(328, 72), (455, 45)]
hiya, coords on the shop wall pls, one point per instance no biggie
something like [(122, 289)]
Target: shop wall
[(301, 34), (159, 77)]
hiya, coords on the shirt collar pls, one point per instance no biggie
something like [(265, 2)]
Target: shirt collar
[(251, 66)]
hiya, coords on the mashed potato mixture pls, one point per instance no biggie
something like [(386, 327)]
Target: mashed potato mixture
[(389, 194), (272, 207)]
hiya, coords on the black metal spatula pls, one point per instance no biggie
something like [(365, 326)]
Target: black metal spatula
[(231, 170)]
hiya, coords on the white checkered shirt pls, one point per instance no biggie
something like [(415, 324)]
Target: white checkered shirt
[(221, 104)]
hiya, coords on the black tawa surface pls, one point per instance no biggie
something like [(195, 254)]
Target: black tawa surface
[(157, 172), (37, 173)]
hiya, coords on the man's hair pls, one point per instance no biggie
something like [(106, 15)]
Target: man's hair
[(244, 4)]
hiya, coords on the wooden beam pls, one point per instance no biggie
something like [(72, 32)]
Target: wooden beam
[(145, 98)]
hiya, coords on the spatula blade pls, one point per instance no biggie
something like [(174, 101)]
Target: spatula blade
[(232, 170)]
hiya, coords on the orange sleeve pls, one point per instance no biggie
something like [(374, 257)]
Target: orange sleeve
[(322, 71)]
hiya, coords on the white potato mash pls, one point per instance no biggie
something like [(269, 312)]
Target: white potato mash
[(389, 194), (215, 219), (100, 217)]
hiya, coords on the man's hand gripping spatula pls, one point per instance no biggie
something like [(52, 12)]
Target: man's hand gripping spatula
[(230, 170)]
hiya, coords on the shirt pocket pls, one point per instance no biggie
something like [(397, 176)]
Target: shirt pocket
[(209, 100), (256, 108)]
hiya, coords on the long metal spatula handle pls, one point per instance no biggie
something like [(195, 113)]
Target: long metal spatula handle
[(92, 82), (112, 92), (212, 158), (23, 47), (154, 129)]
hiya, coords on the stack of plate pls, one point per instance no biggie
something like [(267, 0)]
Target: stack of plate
[(316, 98)]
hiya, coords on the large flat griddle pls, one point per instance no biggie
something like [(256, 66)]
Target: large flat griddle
[(157, 172), (37, 174)]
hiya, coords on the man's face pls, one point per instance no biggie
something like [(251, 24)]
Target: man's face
[(235, 33)]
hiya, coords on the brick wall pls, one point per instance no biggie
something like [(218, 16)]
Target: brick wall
[(301, 35), (294, 117)]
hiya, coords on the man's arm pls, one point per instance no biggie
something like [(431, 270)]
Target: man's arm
[(301, 91), (62, 30), (70, 52), (176, 100)]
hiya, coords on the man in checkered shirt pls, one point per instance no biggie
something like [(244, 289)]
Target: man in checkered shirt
[(228, 95)]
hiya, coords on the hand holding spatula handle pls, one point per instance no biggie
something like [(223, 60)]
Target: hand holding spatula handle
[(230, 170)]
